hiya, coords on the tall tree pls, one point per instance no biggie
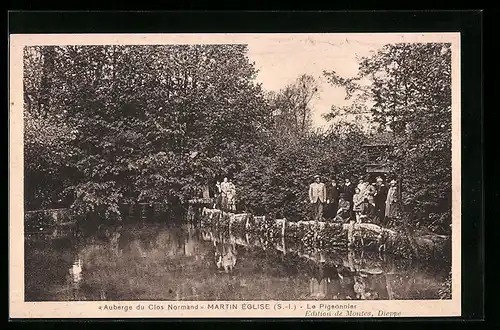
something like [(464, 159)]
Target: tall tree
[(152, 121), (291, 105), (410, 92), (46, 135)]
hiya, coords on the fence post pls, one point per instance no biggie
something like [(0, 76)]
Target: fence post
[(247, 223)]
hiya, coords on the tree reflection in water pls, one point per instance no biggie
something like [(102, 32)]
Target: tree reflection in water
[(189, 263)]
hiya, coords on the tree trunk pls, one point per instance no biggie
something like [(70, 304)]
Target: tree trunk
[(48, 54), (406, 226)]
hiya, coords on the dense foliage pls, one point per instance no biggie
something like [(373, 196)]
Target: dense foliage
[(145, 123), (112, 124), (277, 184), (410, 91)]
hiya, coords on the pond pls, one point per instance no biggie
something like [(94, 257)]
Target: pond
[(159, 262)]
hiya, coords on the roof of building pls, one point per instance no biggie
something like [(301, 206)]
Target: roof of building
[(380, 139)]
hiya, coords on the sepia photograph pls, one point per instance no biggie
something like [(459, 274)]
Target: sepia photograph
[(239, 173)]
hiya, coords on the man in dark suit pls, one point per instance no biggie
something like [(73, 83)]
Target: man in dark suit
[(348, 191), (380, 197), (332, 198)]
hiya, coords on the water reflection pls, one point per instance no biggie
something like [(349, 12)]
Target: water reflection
[(187, 263), (349, 280), (225, 255), (75, 272)]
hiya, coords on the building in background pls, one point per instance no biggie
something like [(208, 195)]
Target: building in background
[(378, 150)]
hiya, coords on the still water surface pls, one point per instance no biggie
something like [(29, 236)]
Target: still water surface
[(187, 263)]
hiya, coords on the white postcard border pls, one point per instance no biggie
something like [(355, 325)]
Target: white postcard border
[(18, 308)]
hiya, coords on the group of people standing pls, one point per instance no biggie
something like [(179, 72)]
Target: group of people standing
[(343, 201), (225, 195), (362, 202)]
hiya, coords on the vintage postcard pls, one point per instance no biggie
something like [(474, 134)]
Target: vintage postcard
[(235, 175)]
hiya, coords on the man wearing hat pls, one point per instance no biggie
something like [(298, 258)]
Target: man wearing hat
[(332, 198), (317, 196)]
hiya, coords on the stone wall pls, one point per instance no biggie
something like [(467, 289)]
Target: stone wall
[(328, 235)]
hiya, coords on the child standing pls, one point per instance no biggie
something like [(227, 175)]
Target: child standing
[(357, 200)]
